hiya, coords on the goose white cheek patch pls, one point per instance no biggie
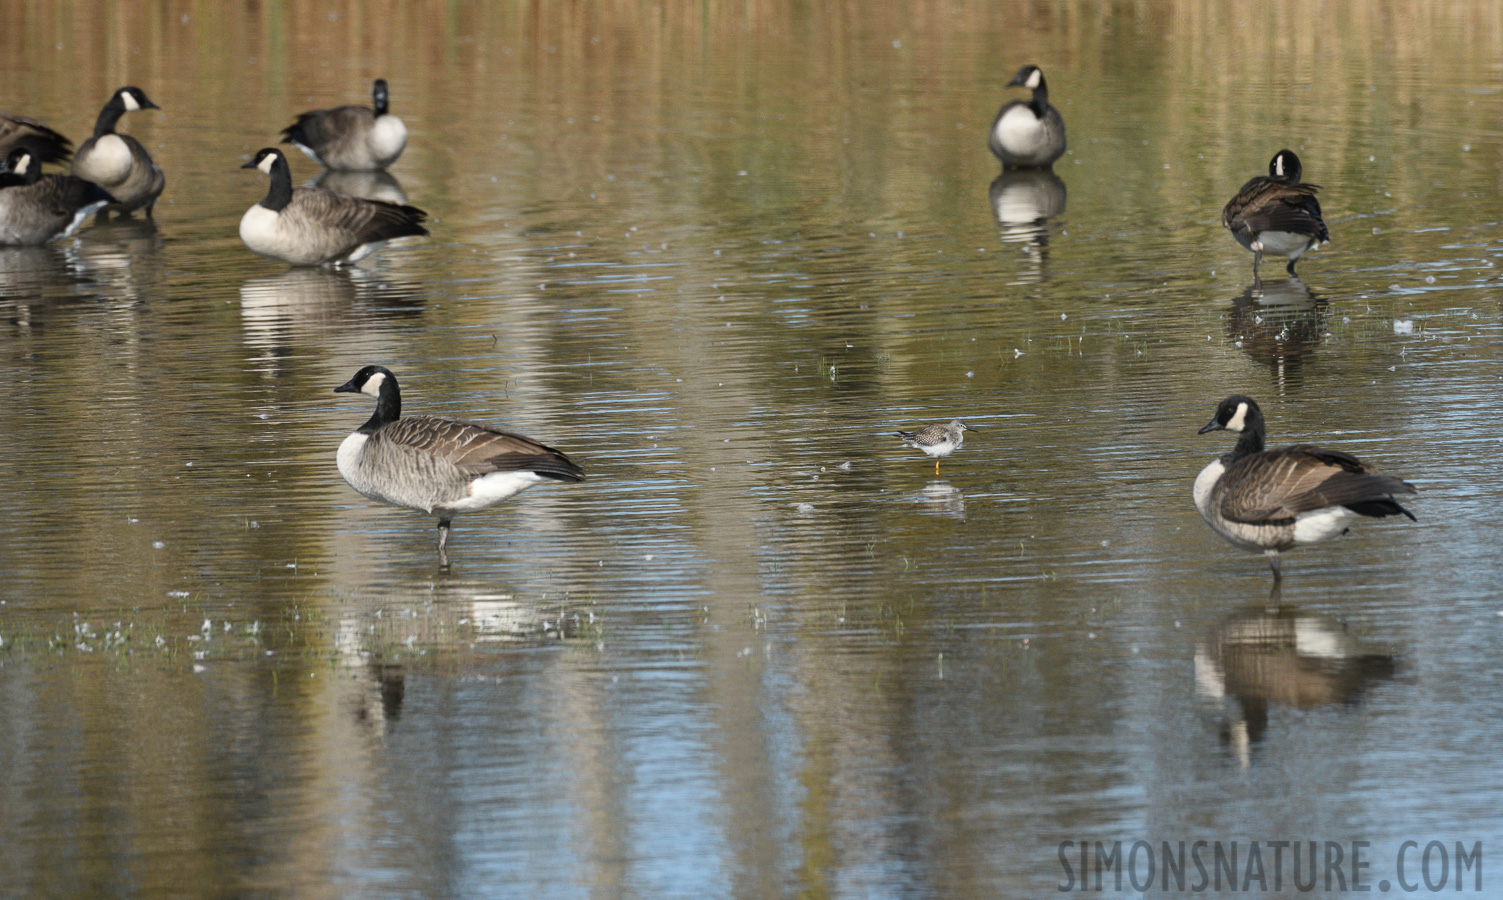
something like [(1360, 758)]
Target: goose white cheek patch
[(130, 102), (373, 385), (1238, 421), (1033, 80), (266, 164)]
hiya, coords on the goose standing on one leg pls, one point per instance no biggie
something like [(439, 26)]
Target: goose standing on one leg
[(117, 162), (437, 466), (36, 208), (1277, 214), (1275, 500), (46, 145), (315, 227), (1029, 134), (350, 138)]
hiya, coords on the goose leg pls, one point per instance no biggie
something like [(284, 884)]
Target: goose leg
[(1273, 560), (443, 542), (1290, 268), (1257, 258), (1275, 596)]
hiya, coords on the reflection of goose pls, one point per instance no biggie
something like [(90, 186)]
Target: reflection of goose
[(1278, 323), (378, 185), (1279, 655), (1023, 202), (113, 252), (273, 306), (29, 274)]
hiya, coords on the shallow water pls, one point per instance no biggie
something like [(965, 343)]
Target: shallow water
[(718, 255)]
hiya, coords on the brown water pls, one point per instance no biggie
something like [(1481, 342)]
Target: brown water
[(718, 254)]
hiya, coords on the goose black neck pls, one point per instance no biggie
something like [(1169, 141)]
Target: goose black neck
[(1040, 101), (279, 194), (380, 97), (388, 406), (108, 118), (32, 175), (1251, 439)]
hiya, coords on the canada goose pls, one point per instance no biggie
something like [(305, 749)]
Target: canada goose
[(442, 467), (1275, 500), (355, 138), (36, 208), (1277, 214), (46, 145), (315, 227), (1029, 134), (117, 162), (938, 440)]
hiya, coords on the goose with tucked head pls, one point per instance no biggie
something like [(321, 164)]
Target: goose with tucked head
[(350, 138), (1277, 214)]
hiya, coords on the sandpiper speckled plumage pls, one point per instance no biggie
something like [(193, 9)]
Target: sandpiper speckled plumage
[(938, 440)]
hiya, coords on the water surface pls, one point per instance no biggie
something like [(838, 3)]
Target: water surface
[(719, 255)]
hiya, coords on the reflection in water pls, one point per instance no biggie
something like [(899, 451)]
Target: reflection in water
[(438, 626), (365, 185), (1277, 654), (273, 308), (1023, 202), (1278, 322), (943, 499), (112, 252), (33, 274)]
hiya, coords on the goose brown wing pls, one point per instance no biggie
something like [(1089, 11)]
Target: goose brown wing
[(477, 449), (1264, 204), (66, 195), (44, 143), (1280, 484), (321, 127), (354, 220)]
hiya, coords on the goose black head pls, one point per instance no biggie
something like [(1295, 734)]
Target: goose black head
[(380, 97), (267, 159), (369, 380), (127, 99), (21, 165), (1237, 414), (378, 382), (1285, 166), (1031, 77), (130, 99)]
